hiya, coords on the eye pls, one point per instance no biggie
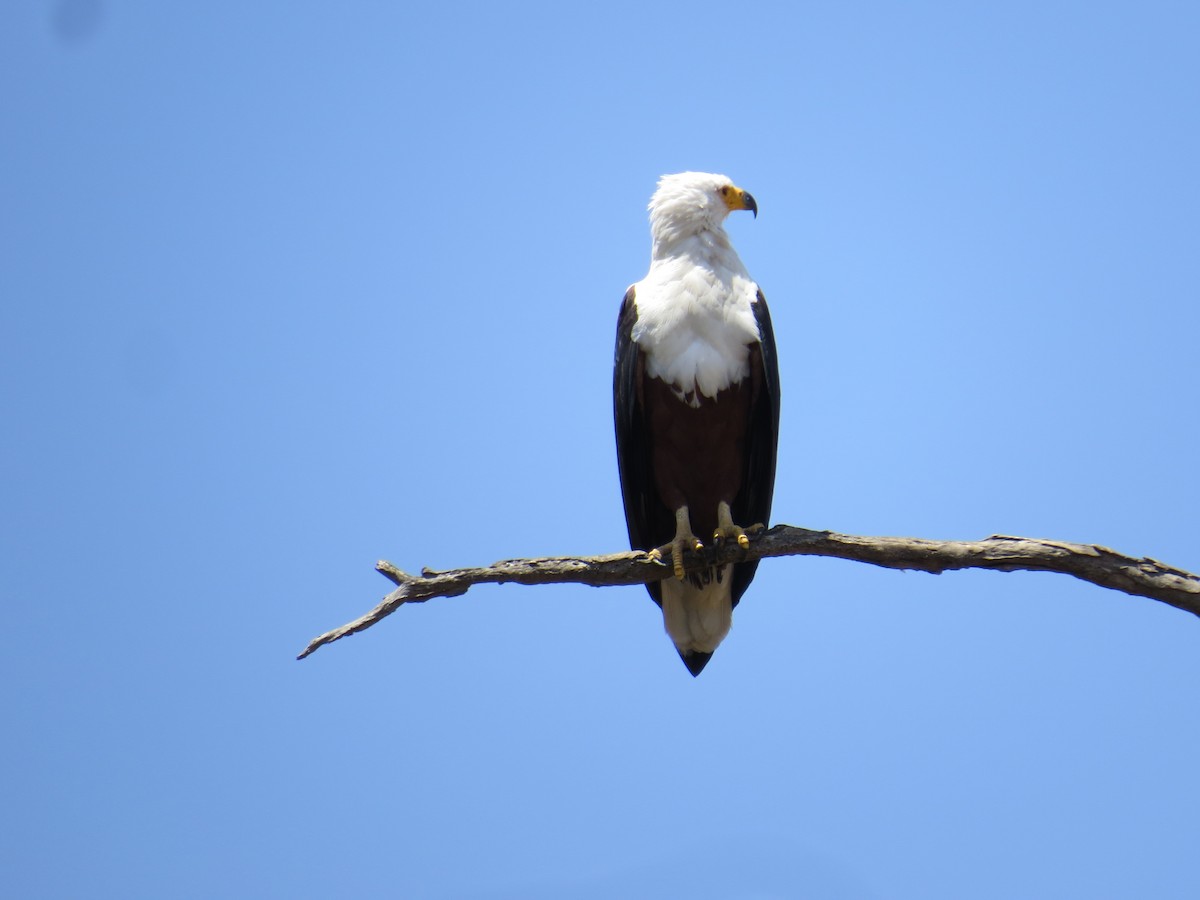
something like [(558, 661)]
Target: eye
[(725, 191)]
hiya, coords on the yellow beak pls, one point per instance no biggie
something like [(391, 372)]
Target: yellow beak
[(736, 198)]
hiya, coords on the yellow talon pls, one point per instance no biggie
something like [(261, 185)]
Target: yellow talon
[(678, 547), (727, 529), (684, 538)]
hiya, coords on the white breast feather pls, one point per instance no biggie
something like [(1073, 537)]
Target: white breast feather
[(696, 320)]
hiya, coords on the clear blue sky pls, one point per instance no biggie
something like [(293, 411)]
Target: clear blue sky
[(286, 288)]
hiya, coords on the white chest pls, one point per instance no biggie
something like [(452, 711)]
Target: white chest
[(695, 325)]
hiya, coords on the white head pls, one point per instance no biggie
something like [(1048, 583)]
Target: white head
[(693, 202)]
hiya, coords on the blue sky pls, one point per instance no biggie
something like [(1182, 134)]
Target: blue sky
[(288, 288)]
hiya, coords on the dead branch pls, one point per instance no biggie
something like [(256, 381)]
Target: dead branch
[(1140, 577)]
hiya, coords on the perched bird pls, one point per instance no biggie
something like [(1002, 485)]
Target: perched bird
[(696, 404)]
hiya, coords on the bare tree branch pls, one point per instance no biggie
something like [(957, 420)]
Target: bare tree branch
[(1141, 577)]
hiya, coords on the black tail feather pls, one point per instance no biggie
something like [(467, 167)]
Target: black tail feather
[(695, 661)]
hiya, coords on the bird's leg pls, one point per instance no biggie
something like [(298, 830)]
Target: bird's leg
[(684, 540), (727, 530)]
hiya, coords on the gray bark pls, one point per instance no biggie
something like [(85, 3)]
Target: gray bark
[(1140, 577)]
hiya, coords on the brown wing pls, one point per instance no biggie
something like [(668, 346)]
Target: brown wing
[(753, 502), (649, 522)]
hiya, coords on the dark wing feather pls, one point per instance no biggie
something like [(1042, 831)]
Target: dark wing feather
[(753, 502), (643, 509)]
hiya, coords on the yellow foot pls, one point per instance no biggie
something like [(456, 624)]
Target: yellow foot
[(679, 546), (727, 530), (683, 541)]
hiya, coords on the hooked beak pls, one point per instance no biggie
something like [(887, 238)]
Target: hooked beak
[(736, 198)]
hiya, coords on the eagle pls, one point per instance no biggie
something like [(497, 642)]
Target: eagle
[(696, 406)]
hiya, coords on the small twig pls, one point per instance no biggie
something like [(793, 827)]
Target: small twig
[(1141, 577)]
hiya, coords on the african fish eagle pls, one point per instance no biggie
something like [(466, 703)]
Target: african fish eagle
[(696, 403)]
